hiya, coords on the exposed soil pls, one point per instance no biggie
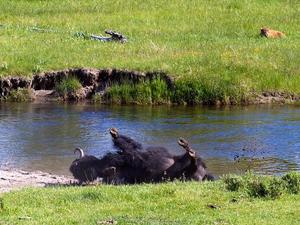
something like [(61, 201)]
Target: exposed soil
[(275, 97), (97, 82), (92, 80), (12, 179)]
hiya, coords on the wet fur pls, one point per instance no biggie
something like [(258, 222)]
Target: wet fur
[(156, 164), (131, 164), (85, 169)]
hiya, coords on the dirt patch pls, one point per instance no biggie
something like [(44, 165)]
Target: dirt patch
[(42, 95), (12, 179), (92, 80), (96, 82), (268, 97)]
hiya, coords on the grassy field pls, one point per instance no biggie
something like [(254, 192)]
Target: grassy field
[(212, 46), (170, 203)]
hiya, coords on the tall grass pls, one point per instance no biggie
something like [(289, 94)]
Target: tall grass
[(148, 92), (185, 91), (67, 86), (264, 186), (202, 90)]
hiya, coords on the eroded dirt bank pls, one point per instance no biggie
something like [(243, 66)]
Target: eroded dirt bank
[(92, 80), (98, 81), (13, 179)]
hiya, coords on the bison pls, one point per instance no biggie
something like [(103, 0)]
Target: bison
[(132, 164), (148, 164), (188, 166), (85, 168), (110, 168), (156, 164)]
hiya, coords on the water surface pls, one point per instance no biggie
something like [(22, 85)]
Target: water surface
[(265, 139)]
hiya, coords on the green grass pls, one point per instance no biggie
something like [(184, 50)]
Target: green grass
[(19, 95), (68, 85), (149, 92), (169, 203), (212, 44), (186, 91)]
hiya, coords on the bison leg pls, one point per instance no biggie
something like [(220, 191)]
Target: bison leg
[(123, 142), (183, 143), (110, 171)]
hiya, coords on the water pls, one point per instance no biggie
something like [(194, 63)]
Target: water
[(265, 139)]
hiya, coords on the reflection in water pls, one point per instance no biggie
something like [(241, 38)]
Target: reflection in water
[(43, 136)]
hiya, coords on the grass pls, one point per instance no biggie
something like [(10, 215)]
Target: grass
[(264, 187), (169, 203), (19, 95), (186, 91), (148, 92), (214, 43), (67, 86)]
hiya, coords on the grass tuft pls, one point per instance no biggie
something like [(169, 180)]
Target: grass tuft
[(292, 181), (68, 86), (147, 92), (186, 91), (263, 186), (20, 95)]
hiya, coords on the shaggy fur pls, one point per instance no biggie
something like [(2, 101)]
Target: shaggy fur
[(188, 166), (156, 164), (85, 169), (130, 164)]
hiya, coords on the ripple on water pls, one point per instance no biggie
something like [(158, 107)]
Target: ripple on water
[(43, 136)]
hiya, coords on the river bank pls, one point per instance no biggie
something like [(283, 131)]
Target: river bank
[(113, 86), (14, 179)]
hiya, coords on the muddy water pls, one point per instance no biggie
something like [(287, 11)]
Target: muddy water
[(265, 139)]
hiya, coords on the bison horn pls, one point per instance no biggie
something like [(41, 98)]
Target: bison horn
[(80, 152), (114, 132)]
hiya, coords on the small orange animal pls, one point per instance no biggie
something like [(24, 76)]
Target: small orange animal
[(268, 33)]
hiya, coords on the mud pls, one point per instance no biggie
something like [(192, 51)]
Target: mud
[(274, 98), (92, 80), (13, 179)]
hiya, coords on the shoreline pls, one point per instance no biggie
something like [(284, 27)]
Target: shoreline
[(16, 179), (128, 87)]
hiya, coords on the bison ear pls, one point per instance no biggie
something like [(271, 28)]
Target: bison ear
[(114, 132), (110, 171)]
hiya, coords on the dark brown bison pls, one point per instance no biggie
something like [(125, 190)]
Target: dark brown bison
[(188, 166), (85, 168), (149, 164), (132, 164), (111, 168), (156, 164)]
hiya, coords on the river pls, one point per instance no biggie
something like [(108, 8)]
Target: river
[(265, 139)]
